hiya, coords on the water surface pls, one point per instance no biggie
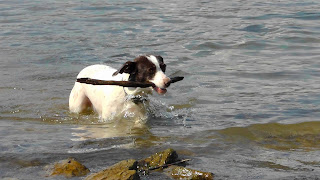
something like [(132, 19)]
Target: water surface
[(247, 109)]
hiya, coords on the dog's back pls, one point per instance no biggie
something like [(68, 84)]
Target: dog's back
[(85, 96), (99, 71)]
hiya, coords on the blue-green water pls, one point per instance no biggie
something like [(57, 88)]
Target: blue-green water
[(245, 63)]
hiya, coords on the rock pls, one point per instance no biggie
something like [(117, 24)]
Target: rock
[(68, 168), (179, 172), (123, 170), (165, 157)]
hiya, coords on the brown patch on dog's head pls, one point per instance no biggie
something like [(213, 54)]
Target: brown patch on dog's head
[(147, 68), (140, 70)]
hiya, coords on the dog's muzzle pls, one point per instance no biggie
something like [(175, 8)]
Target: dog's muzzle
[(160, 90)]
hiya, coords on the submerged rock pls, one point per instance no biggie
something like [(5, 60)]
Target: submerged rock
[(284, 137), (179, 172), (159, 159), (123, 170), (68, 168)]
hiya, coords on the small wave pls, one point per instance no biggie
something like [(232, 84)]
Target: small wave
[(90, 150), (257, 28), (299, 15), (252, 45), (205, 46)]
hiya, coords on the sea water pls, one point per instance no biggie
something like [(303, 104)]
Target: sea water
[(248, 108)]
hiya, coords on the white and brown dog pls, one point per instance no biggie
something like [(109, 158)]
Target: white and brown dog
[(108, 100)]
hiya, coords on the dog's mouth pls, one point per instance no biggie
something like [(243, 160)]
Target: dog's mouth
[(160, 90)]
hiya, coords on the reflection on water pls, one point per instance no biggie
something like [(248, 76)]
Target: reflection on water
[(120, 134), (106, 130)]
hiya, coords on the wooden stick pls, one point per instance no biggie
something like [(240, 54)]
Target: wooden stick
[(118, 83), (123, 83), (176, 79)]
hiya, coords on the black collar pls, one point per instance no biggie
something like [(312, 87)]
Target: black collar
[(136, 99)]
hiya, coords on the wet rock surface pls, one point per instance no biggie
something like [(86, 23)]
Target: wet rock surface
[(68, 168), (165, 161), (168, 160), (158, 159), (180, 172), (123, 170)]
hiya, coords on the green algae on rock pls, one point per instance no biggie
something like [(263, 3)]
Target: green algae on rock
[(180, 172), (68, 168), (123, 170), (302, 136), (161, 158)]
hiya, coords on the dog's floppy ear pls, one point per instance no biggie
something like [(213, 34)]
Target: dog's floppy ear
[(161, 63), (128, 67)]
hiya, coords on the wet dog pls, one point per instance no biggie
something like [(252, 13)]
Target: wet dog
[(109, 101)]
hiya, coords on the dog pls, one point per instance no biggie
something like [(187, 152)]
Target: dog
[(110, 100)]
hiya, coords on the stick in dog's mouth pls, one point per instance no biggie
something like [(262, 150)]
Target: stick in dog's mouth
[(129, 83), (172, 80)]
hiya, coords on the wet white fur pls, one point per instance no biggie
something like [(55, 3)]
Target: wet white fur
[(109, 101)]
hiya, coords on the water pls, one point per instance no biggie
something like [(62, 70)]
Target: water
[(248, 65)]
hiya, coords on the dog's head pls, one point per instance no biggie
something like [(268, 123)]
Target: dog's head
[(147, 68)]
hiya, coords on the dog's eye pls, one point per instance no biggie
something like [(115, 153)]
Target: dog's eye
[(163, 67), (151, 70)]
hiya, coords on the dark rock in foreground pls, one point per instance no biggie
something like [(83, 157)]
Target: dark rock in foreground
[(123, 170), (68, 168), (128, 169), (159, 159), (179, 172)]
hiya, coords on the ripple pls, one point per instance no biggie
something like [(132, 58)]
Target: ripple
[(205, 46), (257, 28), (297, 39), (299, 15), (253, 45), (271, 76)]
